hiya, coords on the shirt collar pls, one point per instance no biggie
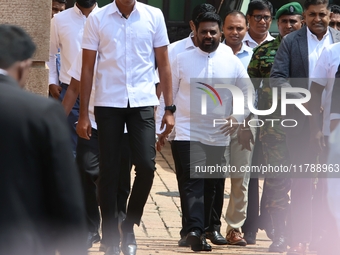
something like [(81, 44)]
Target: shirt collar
[(115, 8), (244, 48), (311, 35), (79, 12), (201, 52), (189, 43), (247, 37)]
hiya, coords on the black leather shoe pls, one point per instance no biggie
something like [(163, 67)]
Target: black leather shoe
[(269, 233), (92, 237), (250, 237), (112, 250), (197, 241), (183, 242), (216, 238), (129, 245)]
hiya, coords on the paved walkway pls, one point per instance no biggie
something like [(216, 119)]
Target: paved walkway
[(161, 222)]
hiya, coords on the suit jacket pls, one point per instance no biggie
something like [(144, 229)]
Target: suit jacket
[(291, 69), (40, 194), (335, 103)]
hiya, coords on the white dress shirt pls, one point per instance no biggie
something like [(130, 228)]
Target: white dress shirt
[(315, 48), (244, 54), (75, 72), (173, 50), (250, 42), (126, 57), (218, 67), (324, 74), (67, 29)]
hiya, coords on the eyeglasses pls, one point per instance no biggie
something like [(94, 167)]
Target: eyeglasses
[(258, 18), (333, 24)]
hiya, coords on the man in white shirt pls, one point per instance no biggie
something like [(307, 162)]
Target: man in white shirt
[(234, 30), (87, 159), (66, 34), (174, 49), (197, 142), (259, 16), (128, 36), (322, 81), (290, 63)]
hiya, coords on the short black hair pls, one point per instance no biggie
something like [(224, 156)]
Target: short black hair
[(335, 9), (235, 12), (308, 3), (201, 8), (259, 5), (60, 1), (208, 16), (15, 45)]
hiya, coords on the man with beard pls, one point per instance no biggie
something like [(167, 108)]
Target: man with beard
[(272, 137), (213, 225), (66, 34), (196, 141), (291, 62)]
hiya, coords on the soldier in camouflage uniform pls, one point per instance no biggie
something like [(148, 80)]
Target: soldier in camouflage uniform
[(272, 136)]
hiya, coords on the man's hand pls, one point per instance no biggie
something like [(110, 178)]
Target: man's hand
[(160, 141), (334, 124), (54, 90), (245, 137), (84, 127), (230, 127), (169, 122), (317, 141)]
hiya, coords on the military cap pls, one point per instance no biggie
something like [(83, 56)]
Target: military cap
[(292, 8)]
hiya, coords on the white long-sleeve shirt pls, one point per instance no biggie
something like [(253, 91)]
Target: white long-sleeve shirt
[(189, 71)]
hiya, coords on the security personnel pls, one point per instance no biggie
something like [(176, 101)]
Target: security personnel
[(289, 19)]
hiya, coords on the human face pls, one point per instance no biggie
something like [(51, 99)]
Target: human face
[(208, 36), (317, 19), (57, 7), (234, 29), (289, 23), (335, 21), (262, 26)]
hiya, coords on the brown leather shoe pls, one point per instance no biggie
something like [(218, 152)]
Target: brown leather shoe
[(299, 249), (234, 237)]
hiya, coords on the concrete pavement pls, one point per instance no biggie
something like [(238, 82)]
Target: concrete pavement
[(161, 222)]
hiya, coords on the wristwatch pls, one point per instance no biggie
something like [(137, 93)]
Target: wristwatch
[(171, 108)]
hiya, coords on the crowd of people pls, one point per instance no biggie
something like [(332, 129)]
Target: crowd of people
[(111, 67)]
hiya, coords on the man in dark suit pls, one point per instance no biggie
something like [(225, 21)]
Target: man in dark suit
[(296, 58), (41, 202)]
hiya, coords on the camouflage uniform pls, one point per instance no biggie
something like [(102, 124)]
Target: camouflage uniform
[(273, 138)]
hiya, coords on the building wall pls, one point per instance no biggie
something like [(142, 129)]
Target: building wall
[(34, 16)]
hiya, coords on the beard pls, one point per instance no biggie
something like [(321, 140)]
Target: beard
[(208, 47), (86, 3)]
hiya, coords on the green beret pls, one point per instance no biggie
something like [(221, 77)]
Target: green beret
[(292, 8)]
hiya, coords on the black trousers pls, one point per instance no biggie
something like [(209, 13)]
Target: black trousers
[(141, 128), (216, 211), (197, 194), (179, 176), (88, 165), (254, 221)]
